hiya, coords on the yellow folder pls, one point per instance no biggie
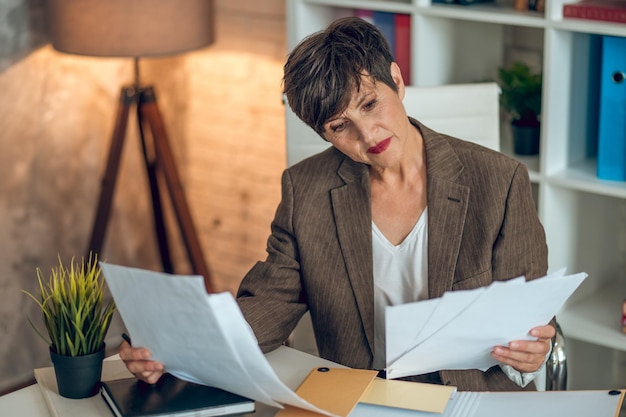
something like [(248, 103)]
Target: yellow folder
[(410, 395), (336, 390)]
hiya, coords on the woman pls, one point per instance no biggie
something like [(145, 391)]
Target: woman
[(392, 213)]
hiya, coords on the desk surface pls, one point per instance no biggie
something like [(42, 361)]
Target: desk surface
[(290, 365)]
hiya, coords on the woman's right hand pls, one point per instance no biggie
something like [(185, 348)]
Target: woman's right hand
[(138, 362)]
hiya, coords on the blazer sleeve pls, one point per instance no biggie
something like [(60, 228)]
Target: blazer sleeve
[(270, 295)]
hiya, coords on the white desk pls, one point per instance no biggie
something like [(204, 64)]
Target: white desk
[(290, 365), (293, 366)]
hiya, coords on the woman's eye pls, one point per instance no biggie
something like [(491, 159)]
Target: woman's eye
[(370, 105), (338, 127)]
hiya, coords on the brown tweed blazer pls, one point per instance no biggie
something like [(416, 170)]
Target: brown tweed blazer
[(482, 226)]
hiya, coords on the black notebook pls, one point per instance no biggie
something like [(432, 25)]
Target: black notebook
[(130, 397)]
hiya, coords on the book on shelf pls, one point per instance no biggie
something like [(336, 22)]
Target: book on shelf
[(397, 30), (462, 2), (612, 110), (402, 42), (602, 10), (170, 396), (385, 21), (470, 2)]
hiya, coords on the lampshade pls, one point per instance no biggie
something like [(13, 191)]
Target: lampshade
[(130, 28)]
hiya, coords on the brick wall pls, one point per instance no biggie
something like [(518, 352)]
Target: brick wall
[(238, 150)]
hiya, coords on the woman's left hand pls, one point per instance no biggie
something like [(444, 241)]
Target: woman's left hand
[(526, 355)]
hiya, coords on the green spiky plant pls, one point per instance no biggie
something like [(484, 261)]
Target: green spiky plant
[(521, 93), (72, 303)]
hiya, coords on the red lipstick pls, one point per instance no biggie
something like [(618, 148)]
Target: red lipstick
[(380, 147)]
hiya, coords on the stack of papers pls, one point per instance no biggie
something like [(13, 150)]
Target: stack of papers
[(199, 337), (597, 403), (460, 329)]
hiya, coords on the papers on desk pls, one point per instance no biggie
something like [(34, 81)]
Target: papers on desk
[(417, 396), (198, 337), (460, 329), (341, 390), (513, 404)]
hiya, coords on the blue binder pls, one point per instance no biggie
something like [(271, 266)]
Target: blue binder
[(612, 116), (385, 21)]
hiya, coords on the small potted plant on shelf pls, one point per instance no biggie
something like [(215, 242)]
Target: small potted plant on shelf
[(77, 319), (521, 99)]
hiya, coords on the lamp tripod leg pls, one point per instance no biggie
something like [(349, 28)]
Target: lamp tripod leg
[(149, 112), (149, 156), (127, 98)]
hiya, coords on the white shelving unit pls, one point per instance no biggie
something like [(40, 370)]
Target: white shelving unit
[(584, 217)]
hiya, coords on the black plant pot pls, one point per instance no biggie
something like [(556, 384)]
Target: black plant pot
[(525, 138), (78, 376)]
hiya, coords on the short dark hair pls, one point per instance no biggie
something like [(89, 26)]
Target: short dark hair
[(325, 68)]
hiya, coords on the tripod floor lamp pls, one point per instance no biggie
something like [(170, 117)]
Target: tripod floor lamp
[(135, 29)]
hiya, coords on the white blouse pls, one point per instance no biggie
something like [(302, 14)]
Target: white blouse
[(401, 276)]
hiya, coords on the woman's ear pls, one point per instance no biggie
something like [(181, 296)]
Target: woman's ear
[(396, 75)]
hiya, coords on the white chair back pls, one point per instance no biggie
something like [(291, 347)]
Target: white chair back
[(466, 111)]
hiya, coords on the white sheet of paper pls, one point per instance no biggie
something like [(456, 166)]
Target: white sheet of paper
[(197, 336), (464, 326)]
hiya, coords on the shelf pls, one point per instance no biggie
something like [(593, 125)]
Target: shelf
[(385, 6), (486, 13), (502, 14), (590, 26), (582, 177), (596, 318)]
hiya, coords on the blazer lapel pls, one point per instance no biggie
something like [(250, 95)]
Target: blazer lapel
[(353, 218), (447, 208)]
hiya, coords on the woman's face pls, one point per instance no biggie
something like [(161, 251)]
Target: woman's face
[(374, 128)]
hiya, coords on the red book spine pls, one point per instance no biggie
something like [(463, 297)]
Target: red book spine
[(403, 45), (595, 12)]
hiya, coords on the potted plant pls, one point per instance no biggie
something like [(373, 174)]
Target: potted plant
[(77, 319), (521, 99)]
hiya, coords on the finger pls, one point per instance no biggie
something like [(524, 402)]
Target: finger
[(139, 367), (518, 356), (128, 353), (525, 356), (543, 332), (150, 377), (522, 361), (540, 346), (525, 365), (125, 350), (509, 356)]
